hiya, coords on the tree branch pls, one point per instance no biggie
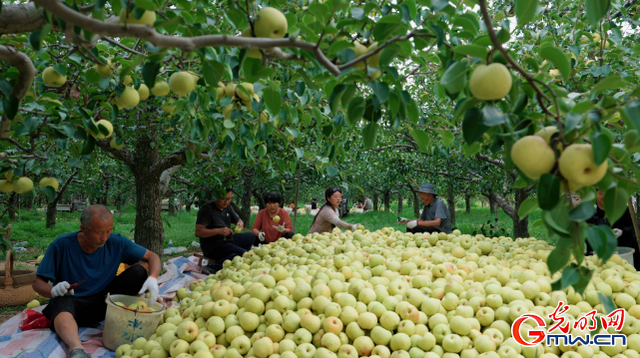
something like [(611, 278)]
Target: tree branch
[(114, 42), (63, 188), (27, 72), (17, 18), (187, 44), (172, 160), (125, 155)]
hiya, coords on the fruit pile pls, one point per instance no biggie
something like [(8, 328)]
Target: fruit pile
[(385, 294)]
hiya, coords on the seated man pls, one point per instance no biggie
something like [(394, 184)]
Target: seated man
[(265, 228), (368, 205), (217, 240), (91, 257), (435, 215)]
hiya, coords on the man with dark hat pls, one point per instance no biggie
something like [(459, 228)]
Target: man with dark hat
[(435, 215)]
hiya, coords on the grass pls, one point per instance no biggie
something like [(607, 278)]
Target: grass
[(30, 227)]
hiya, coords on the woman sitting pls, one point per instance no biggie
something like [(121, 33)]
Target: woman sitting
[(327, 217), (265, 227)]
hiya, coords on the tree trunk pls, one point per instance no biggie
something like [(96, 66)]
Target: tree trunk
[(467, 203), (28, 202), (520, 227), (416, 204), (386, 198), (260, 199), (172, 209), (187, 206), (399, 203), (104, 199), (451, 203), (12, 207), (52, 207), (149, 231), (244, 211), (375, 201), (492, 203)]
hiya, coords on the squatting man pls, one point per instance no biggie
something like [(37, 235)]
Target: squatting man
[(91, 256)]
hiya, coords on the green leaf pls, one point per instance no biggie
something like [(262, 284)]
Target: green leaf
[(602, 240), (146, 4), (609, 83), (355, 110), (596, 9), (51, 194), (582, 211), (557, 57), (526, 11), (273, 100), (150, 73), (381, 90), (615, 203), (369, 133), (548, 191), (89, 145), (601, 144), (492, 116), (527, 206), (11, 106), (570, 275), (607, 303), (60, 69), (422, 139), (212, 72), (472, 126), (413, 111), (454, 78), (447, 138), (471, 50), (558, 259)]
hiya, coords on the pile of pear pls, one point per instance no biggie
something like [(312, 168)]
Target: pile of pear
[(386, 294)]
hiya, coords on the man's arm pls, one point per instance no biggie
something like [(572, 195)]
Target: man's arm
[(435, 222), (153, 260), (202, 231), (42, 287)]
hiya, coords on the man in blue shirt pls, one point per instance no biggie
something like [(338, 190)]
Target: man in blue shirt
[(435, 215), (92, 255)]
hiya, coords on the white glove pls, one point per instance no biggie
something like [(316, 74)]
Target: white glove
[(402, 220), (617, 232), (61, 289), (151, 285), (354, 227), (261, 237), (411, 224), (279, 228)]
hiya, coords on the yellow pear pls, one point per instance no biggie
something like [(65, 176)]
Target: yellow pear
[(169, 107), (49, 181), (128, 98), (105, 70), (140, 305), (6, 186), (254, 52), (226, 111), (22, 185), (181, 83), (242, 95), (271, 23), (221, 92), (546, 133), (107, 125), (148, 18), (33, 304), (160, 88), (491, 82), (264, 117), (143, 91), (230, 90), (533, 156), (554, 72), (51, 100), (578, 166), (9, 175), (113, 144), (359, 50), (52, 78), (596, 37)]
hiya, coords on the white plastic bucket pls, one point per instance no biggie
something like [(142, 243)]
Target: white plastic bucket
[(626, 253), (122, 326)]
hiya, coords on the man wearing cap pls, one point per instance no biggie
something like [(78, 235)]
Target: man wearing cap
[(435, 215)]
